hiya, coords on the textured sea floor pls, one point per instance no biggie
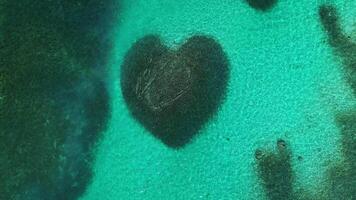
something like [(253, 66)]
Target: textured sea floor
[(284, 83)]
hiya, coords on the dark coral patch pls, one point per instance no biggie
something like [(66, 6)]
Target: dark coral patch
[(347, 125), (173, 93), (342, 44), (342, 176), (262, 5), (277, 176), (275, 172), (341, 182), (330, 20)]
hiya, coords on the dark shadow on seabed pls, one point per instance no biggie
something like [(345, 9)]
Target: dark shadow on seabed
[(53, 98)]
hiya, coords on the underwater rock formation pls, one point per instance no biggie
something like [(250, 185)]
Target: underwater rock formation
[(262, 5), (173, 93)]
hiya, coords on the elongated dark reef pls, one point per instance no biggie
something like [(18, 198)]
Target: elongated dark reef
[(342, 176), (262, 5), (173, 93), (342, 44)]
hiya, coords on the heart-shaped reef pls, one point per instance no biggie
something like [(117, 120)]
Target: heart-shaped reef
[(174, 92), (262, 5)]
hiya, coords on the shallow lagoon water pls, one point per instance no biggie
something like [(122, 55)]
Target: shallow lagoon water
[(285, 129), (285, 83)]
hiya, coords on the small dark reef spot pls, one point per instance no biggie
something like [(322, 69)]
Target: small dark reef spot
[(275, 171), (262, 5), (174, 92), (300, 158)]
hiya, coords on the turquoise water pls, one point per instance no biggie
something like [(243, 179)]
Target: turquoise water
[(284, 83)]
